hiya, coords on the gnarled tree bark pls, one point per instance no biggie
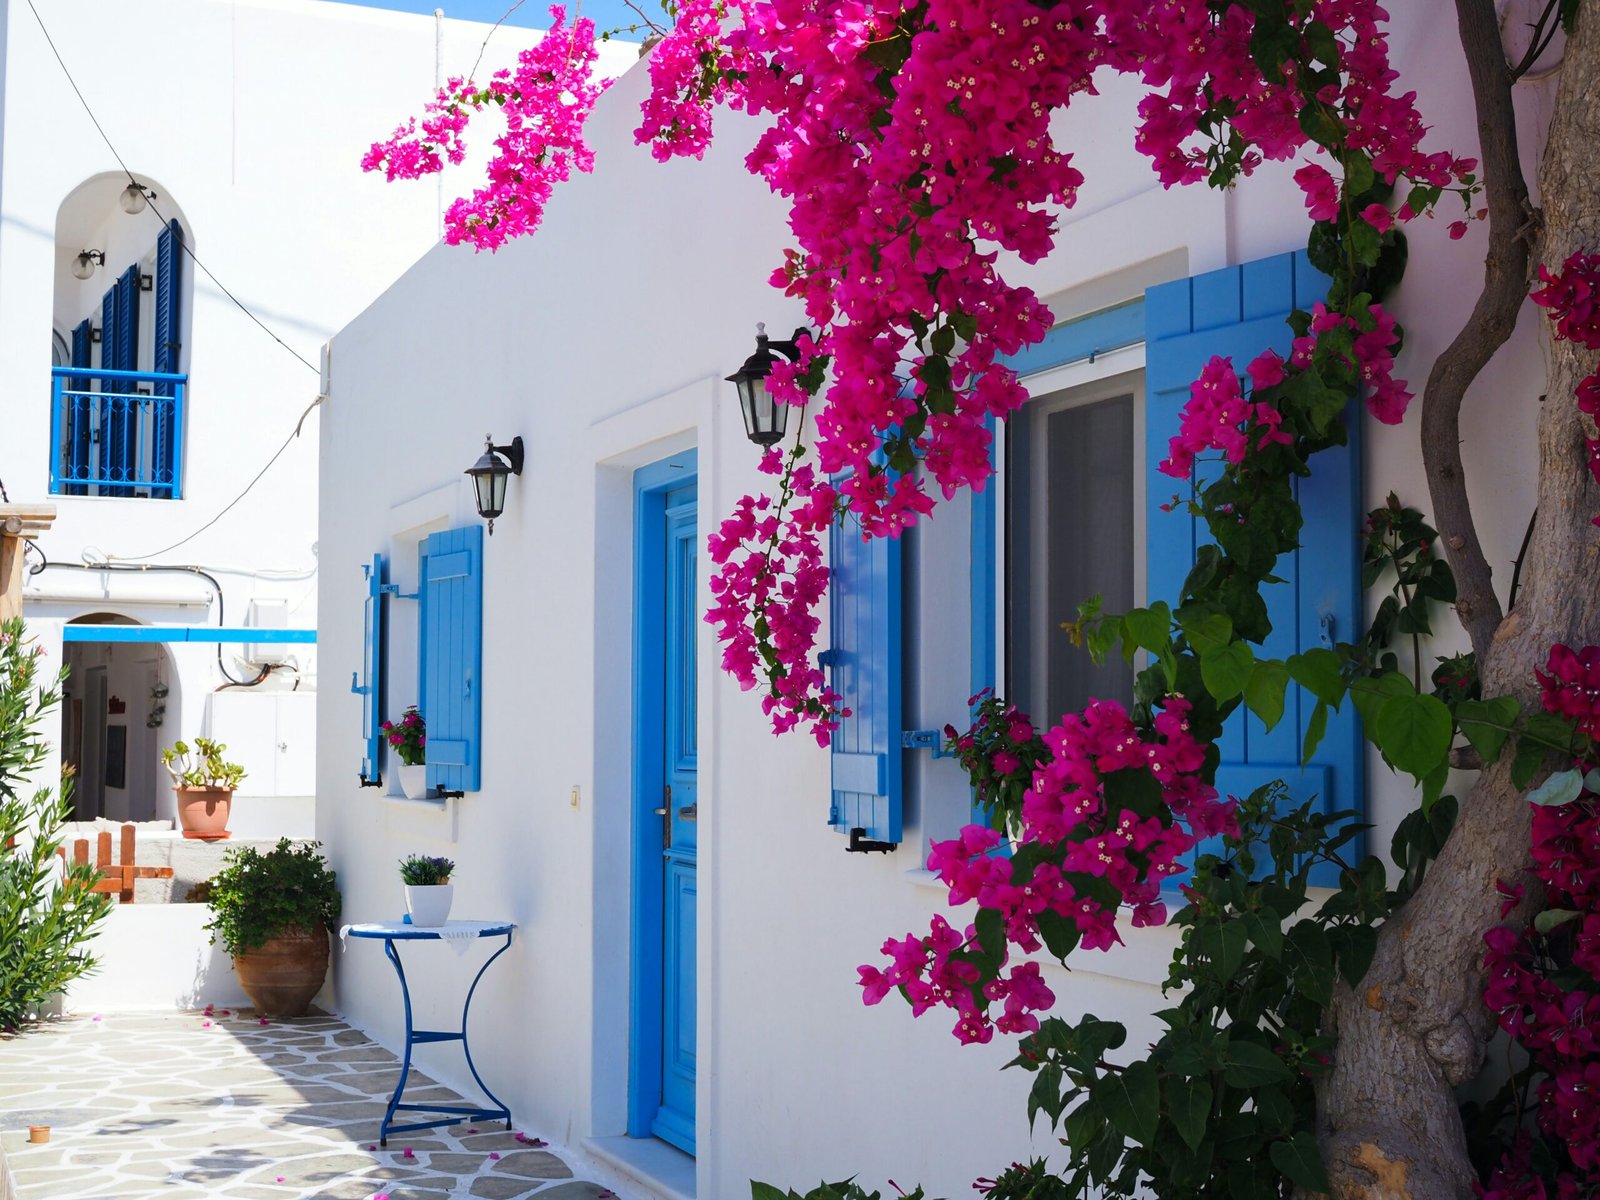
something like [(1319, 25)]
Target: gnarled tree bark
[(1416, 1026)]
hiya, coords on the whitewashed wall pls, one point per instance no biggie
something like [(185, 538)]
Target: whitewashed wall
[(248, 120), (602, 342)]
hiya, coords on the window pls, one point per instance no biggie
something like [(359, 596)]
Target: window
[(1073, 529), (117, 429)]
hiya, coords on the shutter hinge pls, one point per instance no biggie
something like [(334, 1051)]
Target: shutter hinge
[(375, 782), (860, 844), (446, 794), (355, 686), (925, 739), (1325, 631)]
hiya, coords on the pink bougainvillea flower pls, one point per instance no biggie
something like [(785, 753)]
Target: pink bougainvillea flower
[(1458, 230), (494, 1154), (406, 1153), (262, 1021), (205, 1024), (97, 1016), (1378, 216)]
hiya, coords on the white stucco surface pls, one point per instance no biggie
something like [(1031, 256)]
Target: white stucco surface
[(603, 342), (248, 120)]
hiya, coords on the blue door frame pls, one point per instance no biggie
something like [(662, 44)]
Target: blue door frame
[(661, 1061)]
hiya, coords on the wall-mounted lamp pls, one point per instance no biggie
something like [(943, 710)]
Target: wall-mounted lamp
[(134, 198), (489, 475), (764, 418), (83, 266)]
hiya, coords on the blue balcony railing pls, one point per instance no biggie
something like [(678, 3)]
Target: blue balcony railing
[(116, 433)]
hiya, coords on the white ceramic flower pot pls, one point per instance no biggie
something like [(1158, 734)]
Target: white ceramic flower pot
[(414, 781), (429, 905)]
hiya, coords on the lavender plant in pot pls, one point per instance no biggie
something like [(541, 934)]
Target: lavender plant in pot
[(408, 738), (428, 889)]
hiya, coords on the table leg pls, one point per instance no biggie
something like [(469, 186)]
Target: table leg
[(466, 1047), (405, 1064)]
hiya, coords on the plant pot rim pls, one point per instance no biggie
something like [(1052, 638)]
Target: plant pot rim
[(191, 788), (290, 933), (442, 883)]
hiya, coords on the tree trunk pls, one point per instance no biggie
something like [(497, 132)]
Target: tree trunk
[(1416, 1026)]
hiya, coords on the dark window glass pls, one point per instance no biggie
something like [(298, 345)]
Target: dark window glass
[(1070, 511)]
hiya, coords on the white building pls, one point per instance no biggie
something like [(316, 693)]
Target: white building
[(246, 123), (603, 342)]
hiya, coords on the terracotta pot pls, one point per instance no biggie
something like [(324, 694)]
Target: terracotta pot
[(203, 812), (283, 975)]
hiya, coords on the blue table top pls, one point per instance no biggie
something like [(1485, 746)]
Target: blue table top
[(449, 931)]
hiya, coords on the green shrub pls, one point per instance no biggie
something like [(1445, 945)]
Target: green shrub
[(259, 896), (45, 917)]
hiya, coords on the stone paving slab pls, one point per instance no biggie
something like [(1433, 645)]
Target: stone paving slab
[(223, 1107)]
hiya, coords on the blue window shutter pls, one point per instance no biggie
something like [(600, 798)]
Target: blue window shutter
[(78, 423), (1239, 312), (169, 278), (119, 351), (865, 669), (370, 688), (452, 656)]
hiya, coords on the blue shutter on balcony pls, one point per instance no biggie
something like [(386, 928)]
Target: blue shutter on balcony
[(452, 656), (1239, 312), (78, 431), (119, 351), (169, 278), (865, 669), (369, 684)]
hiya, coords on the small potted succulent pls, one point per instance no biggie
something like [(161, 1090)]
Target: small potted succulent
[(428, 888), (204, 783), (409, 740), (272, 912)]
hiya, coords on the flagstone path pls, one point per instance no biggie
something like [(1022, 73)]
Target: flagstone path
[(161, 1105)]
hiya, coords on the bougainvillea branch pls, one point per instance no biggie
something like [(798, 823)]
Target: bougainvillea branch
[(545, 102)]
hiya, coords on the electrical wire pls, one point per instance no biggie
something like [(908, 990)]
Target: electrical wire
[(224, 510), (187, 249), (182, 569)]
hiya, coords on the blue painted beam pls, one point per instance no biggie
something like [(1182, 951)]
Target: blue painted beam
[(182, 633)]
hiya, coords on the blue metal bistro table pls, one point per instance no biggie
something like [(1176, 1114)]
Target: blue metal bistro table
[(451, 931)]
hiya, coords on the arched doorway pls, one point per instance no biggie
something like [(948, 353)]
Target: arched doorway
[(114, 706), (123, 295)]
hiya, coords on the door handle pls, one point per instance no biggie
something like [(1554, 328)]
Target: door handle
[(690, 812)]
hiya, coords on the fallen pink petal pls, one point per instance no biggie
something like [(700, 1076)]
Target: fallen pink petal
[(494, 1154)]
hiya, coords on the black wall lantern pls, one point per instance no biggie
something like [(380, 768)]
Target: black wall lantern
[(489, 475), (764, 418)]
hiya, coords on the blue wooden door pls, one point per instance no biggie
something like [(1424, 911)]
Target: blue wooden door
[(666, 805), (675, 1121)]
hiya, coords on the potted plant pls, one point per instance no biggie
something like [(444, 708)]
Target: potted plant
[(428, 889), (204, 783), (409, 740), (272, 912)]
